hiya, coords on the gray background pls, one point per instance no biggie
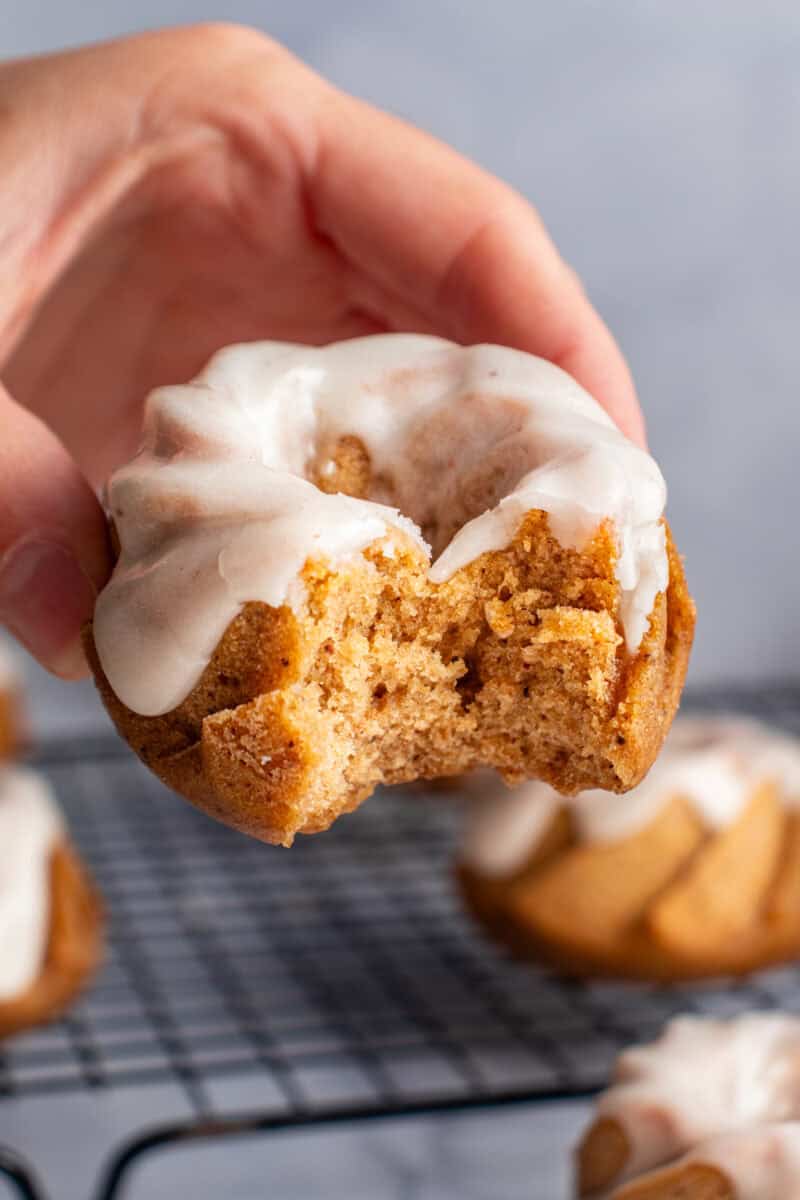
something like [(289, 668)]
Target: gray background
[(660, 141)]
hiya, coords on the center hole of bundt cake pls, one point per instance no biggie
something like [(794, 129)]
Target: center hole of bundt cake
[(452, 466)]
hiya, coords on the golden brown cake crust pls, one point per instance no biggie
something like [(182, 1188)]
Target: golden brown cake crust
[(74, 946), (11, 724), (516, 662), (689, 1181), (670, 902), (601, 1156)]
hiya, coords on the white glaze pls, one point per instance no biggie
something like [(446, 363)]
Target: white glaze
[(30, 826), (713, 762), (704, 1078), (217, 508), (501, 835), (761, 1163)]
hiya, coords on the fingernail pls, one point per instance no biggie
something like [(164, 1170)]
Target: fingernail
[(44, 599)]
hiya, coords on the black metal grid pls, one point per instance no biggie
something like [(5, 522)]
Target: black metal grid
[(343, 976)]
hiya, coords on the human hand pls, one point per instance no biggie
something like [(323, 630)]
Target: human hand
[(171, 193)]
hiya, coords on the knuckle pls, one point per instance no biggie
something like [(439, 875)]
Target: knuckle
[(215, 37)]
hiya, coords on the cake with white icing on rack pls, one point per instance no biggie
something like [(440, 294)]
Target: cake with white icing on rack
[(762, 1163), (382, 560), (709, 1111), (50, 915), (694, 872)]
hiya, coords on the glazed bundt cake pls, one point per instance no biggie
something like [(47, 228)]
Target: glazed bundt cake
[(695, 872), (709, 1111), (387, 559), (50, 915)]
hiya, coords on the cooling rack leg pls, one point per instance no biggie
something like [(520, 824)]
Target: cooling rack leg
[(116, 1172), (115, 1176), (17, 1172)]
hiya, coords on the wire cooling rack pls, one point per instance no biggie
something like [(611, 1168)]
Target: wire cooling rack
[(338, 981)]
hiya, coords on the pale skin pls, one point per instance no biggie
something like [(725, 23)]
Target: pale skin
[(167, 194)]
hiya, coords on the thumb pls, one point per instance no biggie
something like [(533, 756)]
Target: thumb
[(54, 552)]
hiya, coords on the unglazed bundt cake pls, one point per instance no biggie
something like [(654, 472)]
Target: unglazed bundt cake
[(387, 559), (695, 872)]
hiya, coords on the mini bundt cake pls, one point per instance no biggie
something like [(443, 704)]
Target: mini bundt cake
[(11, 722), (709, 1111), (387, 559), (695, 872), (762, 1163), (50, 915)]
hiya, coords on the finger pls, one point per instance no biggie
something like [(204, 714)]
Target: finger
[(54, 553), (467, 251), (103, 119)]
